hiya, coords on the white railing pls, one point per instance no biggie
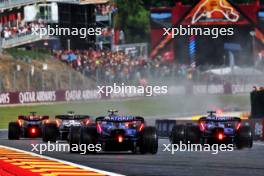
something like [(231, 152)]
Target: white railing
[(5, 4), (21, 40)]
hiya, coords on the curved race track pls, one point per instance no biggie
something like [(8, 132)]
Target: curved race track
[(236, 163)]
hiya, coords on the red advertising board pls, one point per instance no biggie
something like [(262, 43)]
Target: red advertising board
[(48, 96)]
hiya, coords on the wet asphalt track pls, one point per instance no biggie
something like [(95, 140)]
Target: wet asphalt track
[(237, 163)]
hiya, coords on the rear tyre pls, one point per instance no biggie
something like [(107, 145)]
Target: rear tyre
[(193, 134), (50, 132), (184, 134), (244, 137), (178, 134), (74, 139), (14, 131), (134, 149), (88, 136), (149, 141)]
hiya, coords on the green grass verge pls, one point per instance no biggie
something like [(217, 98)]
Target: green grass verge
[(28, 55), (153, 106)]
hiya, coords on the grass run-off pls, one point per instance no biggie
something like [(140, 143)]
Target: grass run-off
[(146, 107)]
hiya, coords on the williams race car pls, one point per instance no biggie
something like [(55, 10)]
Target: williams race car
[(60, 128), (118, 133), (214, 129), (29, 126)]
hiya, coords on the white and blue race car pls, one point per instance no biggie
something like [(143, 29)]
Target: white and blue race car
[(60, 128)]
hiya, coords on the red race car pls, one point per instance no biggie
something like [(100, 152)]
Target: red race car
[(29, 126)]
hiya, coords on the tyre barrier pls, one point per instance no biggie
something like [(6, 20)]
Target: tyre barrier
[(164, 127), (257, 126), (257, 103)]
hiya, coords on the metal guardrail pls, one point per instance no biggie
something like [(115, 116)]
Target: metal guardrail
[(21, 40), (5, 4)]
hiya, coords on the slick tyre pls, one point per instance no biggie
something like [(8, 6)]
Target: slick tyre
[(88, 135), (50, 132), (14, 131), (149, 141), (74, 139), (178, 134), (193, 134), (244, 138)]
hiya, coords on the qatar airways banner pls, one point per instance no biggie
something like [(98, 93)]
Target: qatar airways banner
[(47, 96), (85, 95)]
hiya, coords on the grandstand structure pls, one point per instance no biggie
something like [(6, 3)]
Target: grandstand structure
[(57, 13)]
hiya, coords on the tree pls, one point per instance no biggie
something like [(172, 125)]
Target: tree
[(133, 18)]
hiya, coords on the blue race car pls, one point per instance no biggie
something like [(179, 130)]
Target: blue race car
[(214, 129), (120, 133)]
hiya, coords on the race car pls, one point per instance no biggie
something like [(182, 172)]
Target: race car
[(118, 133), (214, 129), (59, 129), (27, 126)]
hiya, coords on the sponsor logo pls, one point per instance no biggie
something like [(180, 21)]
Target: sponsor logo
[(78, 95), (119, 118), (41, 96), (215, 9), (4, 98)]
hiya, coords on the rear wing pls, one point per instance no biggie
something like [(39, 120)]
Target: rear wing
[(220, 119), (119, 119), (72, 117), (36, 118)]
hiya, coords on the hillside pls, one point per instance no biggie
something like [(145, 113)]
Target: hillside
[(31, 76)]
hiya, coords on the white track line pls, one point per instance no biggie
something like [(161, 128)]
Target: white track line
[(65, 162)]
